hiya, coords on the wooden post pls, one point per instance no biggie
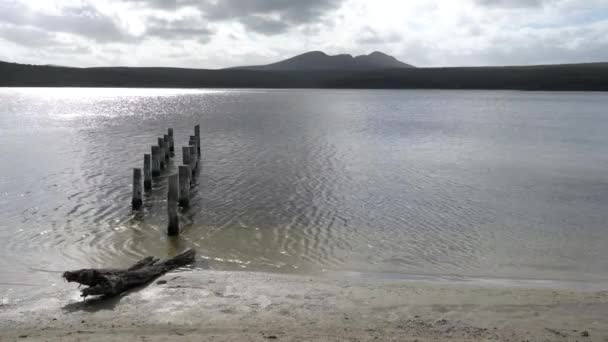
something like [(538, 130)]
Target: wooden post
[(187, 160), (136, 201), (184, 186), (193, 143), (167, 141), (171, 141), (197, 134), (186, 155), (155, 161), (194, 139), (172, 200), (161, 155), (193, 158), (147, 172)]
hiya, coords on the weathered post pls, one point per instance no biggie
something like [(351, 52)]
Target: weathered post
[(187, 160), (147, 172), (161, 155), (197, 134), (171, 141), (155, 161), (172, 200), (193, 159), (193, 143), (167, 141), (186, 155), (184, 186), (194, 139), (136, 201)]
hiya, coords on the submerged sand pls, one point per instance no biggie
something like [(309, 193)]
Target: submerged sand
[(241, 306)]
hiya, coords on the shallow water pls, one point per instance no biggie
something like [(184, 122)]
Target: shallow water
[(467, 183)]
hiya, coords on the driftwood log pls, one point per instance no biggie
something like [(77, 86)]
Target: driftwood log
[(111, 282)]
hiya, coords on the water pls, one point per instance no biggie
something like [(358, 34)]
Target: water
[(449, 183)]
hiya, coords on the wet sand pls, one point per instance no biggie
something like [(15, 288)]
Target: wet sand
[(241, 306)]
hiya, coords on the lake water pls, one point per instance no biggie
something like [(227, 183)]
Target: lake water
[(492, 184)]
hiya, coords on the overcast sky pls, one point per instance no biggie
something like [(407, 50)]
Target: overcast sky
[(223, 33)]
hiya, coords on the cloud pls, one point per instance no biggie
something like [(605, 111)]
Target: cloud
[(180, 29), (292, 11), (224, 33), (265, 25), (83, 20), (511, 3), (262, 16), (27, 36), (169, 5), (40, 40), (561, 45), (369, 36)]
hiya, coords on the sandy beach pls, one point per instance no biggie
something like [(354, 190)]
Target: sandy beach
[(242, 306)]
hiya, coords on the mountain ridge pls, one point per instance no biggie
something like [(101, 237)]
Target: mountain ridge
[(319, 60)]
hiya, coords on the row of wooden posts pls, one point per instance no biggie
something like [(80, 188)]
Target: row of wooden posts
[(179, 184)]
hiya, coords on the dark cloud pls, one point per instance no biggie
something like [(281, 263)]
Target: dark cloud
[(270, 16), (38, 28), (186, 28), (84, 21), (262, 16)]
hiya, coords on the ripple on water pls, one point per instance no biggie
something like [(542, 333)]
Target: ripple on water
[(303, 181)]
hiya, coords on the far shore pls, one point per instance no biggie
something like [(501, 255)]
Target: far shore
[(244, 306), (558, 77)]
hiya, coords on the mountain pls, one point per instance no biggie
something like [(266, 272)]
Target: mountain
[(583, 77), (318, 60), (379, 60)]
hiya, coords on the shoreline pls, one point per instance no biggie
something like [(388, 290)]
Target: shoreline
[(584, 285), (235, 306)]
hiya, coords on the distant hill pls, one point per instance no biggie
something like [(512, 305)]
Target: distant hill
[(318, 60), (591, 76)]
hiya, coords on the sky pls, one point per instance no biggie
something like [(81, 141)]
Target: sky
[(224, 33)]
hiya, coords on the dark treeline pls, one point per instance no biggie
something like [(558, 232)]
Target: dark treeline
[(592, 76)]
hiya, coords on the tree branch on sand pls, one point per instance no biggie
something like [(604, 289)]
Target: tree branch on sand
[(111, 282)]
